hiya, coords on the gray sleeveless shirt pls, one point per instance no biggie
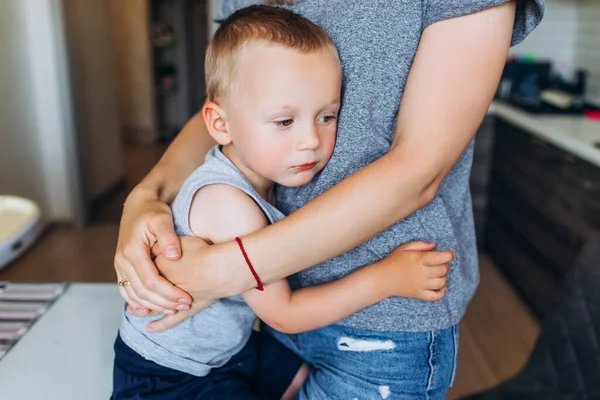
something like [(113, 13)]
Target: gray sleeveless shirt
[(211, 337)]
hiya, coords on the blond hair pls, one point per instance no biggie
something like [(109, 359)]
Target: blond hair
[(254, 25)]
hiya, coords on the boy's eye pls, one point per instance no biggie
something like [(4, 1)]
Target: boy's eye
[(284, 123), (326, 119)]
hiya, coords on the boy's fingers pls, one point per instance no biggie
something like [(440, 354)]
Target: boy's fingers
[(437, 271), (434, 295), (437, 283), (438, 257)]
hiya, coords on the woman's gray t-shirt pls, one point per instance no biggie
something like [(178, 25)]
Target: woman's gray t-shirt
[(377, 41), (210, 338)]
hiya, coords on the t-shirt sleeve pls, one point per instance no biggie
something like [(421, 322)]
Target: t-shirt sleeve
[(529, 13)]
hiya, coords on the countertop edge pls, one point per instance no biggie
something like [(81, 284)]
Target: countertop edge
[(532, 124)]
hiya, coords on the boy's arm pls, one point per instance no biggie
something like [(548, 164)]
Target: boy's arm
[(219, 213), (412, 270), (316, 306)]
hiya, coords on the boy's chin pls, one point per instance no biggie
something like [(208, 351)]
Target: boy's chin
[(296, 181)]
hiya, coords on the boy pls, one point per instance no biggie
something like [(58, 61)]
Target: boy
[(273, 82)]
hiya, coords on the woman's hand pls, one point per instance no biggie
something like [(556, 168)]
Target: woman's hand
[(199, 272), (147, 221)]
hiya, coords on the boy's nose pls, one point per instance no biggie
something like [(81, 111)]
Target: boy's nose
[(309, 140)]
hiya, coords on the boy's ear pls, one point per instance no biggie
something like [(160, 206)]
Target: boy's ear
[(215, 119)]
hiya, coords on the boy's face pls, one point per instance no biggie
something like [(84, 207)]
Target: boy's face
[(282, 112)]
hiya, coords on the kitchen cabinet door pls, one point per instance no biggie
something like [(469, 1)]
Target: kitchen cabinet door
[(544, 204)]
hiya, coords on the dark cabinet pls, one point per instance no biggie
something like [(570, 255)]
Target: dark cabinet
[(480, 176), (543, 205)]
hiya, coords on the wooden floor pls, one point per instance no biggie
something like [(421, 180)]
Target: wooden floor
[(496, 335)]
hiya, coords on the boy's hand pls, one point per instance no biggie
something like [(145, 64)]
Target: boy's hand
[(413, 270)]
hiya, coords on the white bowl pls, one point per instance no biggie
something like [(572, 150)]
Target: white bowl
[(20, 226)]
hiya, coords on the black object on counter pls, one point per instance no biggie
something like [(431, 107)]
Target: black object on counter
[(522, 82)]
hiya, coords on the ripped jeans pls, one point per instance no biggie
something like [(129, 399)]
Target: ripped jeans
[(349, 363)]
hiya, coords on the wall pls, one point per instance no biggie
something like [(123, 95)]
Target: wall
[(173, 108), (93, 62), (38, 150), (587, 53), (556, 36), (20, 162), (568, 36), (131, 32), (213, 7)]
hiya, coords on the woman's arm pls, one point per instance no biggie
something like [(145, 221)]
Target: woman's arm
[(147, 220), (184, 155), (449, 89)]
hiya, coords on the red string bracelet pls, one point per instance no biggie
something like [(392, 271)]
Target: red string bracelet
[(260, 285)]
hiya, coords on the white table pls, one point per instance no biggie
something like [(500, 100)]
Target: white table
[(68, 353)]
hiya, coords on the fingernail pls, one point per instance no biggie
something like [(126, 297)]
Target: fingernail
[(183, 301), (141, 310), (171, 252), (183, 307), (169, 312), (149, 329)]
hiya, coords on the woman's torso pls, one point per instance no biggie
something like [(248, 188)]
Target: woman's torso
[(377, 42)]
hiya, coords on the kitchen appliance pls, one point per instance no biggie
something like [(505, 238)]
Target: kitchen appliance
[(531, 86), (20, 226)]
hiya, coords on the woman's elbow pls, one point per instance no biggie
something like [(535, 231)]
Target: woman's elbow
[(428, 191)]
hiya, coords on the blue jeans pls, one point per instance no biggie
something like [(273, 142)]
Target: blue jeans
[(350, 363)]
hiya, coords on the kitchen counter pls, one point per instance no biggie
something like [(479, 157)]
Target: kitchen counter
[(68, 353), (572, 133), (536, 185)]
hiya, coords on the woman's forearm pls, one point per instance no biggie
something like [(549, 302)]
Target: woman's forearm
[(184, 154), (440, 113), (350, 213)]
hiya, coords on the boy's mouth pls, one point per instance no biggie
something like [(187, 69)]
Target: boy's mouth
[(305, 167)]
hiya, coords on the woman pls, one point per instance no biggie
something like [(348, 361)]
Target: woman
[(418, 77)]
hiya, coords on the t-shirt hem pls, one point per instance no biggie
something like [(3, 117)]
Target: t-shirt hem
[(401, 323), (152, 352)]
